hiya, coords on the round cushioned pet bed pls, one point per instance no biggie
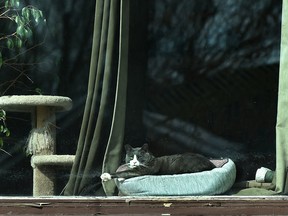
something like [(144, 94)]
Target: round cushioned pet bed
[(213, 182)]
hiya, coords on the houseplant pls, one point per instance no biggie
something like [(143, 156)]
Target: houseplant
[(3, 128), (17, 22)]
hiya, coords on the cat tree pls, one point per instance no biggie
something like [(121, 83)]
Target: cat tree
[(42, 138)]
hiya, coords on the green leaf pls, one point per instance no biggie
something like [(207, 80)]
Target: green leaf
[(2, 114), (7, 4), (20, 30), (6, 132), (28, 32), (10, 43), (1, 60), (17, 3), (14, 3), (36, 14), (18, 20), (19, 42), (1, 143), (40, 13), (26, 13)]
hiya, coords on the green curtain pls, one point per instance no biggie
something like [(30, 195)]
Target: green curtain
[(103, 125), (282, 113)]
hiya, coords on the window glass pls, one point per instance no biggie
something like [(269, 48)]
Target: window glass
[(205, 80)]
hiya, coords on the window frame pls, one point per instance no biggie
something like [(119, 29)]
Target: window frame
[(202, 205)]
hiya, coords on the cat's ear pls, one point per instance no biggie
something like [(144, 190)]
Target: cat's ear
[(145, 147), (128, 148)]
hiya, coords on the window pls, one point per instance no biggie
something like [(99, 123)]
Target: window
[(205, 79)]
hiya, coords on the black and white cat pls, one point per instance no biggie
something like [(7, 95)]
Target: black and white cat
[(139, 162)]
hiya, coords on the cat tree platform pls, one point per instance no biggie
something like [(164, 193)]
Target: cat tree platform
[(42, 138), (52, 160)]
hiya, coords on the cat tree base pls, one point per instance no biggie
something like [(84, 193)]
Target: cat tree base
[(44, 167)]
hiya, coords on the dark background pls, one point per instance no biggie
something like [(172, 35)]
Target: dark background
[(203, 77)]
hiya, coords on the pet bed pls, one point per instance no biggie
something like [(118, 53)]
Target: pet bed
[(213, 182)]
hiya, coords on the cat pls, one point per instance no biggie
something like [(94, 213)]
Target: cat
[(139, 162)]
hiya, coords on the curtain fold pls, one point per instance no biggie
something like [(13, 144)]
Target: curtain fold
[(112, 155), (282, 112), (103, 125)]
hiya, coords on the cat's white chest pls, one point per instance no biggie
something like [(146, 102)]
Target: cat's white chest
[(134, 162)]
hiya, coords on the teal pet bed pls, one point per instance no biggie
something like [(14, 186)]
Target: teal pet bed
[(213, 182)]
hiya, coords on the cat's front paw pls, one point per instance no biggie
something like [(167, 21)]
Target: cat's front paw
[(121, 179), (105, 177)]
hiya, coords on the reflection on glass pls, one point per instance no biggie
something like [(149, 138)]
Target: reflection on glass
[(207, 82)]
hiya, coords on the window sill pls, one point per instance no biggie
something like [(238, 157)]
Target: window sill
[(210, 205)]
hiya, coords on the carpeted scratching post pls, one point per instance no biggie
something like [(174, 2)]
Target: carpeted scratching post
[(42, 139)]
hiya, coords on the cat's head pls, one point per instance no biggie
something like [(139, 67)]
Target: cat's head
[(139, 156)]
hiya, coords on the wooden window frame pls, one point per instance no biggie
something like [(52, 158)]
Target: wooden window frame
[(202, 205)]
